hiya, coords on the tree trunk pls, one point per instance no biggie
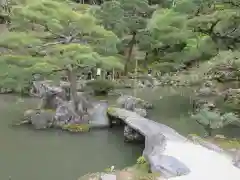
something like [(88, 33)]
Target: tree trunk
[(145, 60), (73, 89), (131, 45), (208, 130)]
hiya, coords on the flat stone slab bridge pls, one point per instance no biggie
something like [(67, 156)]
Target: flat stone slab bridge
[(177, 157)]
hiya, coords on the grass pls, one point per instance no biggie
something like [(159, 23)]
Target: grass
[(138, 172), (225, 143), (111, 110)]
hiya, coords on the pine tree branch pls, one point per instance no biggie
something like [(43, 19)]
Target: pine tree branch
[(52, 43), (199, 122), (231, 3)]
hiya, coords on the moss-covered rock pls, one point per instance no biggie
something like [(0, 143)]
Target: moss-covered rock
[(110, 110), (76, 127)]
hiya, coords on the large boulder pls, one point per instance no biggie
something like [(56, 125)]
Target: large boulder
[(126, 102), (40, 119), (131, 135), (66, 115), (62, 115), (236, 159), (167, 166), (108, 177), (141, 112), (28, 115), (130, 103), (98, 115)]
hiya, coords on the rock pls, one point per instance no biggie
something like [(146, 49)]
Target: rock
[(109, 177), (150, 145), (130, 103), (62, 112), (131, 135), (125, 175), (118, 175), (28, 114), (156, 82), (168, 166), (236, 159), (147, 105), (92, 176), (141, 112), (140, 85), (237, 164), (65, 115), (98, 115), (126, 102), (62, 115), (148, 83), (42, 119), (205, 91), (219, 136)]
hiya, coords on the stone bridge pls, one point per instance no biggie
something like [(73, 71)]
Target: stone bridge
[(177, 157)]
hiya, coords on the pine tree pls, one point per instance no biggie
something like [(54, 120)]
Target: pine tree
[(48, 35), (126, 19)]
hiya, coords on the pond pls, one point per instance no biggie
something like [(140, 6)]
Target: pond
[(26, 154), (173, 106)]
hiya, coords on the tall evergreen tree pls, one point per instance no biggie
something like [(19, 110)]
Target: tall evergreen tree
[(47, 36)]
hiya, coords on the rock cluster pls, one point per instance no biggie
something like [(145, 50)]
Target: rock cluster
[(56, 111), (131, 135), (136, 105)]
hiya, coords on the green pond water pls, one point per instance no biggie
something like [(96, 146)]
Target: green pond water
[(27, 154)]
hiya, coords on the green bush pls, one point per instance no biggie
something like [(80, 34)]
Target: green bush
[(14, 85), (101, 87)]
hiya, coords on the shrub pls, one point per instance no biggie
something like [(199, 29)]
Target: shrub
[(141, 160), (101, 87), (211, 120)]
